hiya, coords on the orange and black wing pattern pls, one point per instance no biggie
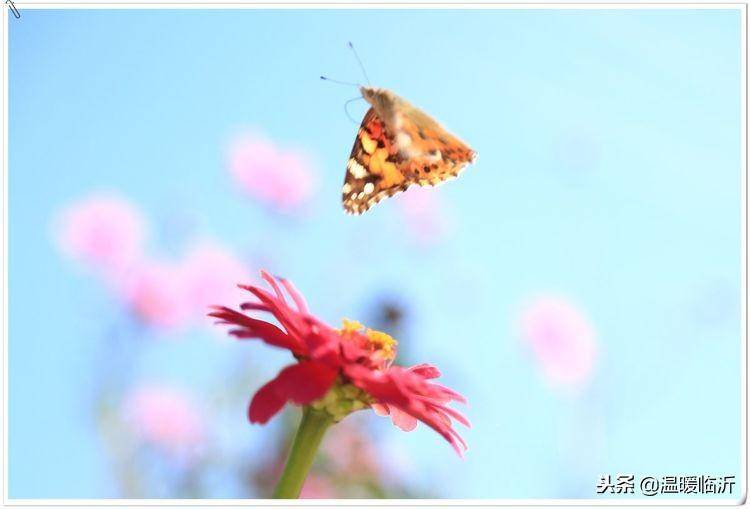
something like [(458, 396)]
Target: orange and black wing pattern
[(431, 155), (372, 172), (383, 162)]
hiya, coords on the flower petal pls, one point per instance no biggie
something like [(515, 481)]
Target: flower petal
[(253, 328), (426, 370), (266, 403), (288, 318), (450, 394), (297, 297), (458, 416), (381, 410), (405, 391), (403, 420), (301, 383), (272, 281), (323, 343), (253, 306), (307, 381), (375, 383)]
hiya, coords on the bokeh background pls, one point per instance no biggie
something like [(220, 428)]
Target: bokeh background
[(580, 284)]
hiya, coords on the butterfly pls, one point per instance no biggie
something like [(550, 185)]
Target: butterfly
[(397, 146)]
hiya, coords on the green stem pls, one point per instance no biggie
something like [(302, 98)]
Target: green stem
[(311, 430)]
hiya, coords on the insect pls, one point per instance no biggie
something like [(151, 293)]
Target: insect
[(397, 146)]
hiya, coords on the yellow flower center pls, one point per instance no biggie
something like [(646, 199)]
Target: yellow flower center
[(378, 340), (382, 340), (351, 326)]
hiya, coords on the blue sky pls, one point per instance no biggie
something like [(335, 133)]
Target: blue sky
[(608, 172)]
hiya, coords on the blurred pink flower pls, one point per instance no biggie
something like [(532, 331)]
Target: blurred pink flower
[(174, 294), (155, 293), (317, 487), (210, 273), (166, 417), (279, 177), (103, 230), (424, 215), (352, 452), (562, 340)]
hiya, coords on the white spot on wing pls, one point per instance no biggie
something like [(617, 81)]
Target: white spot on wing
[(434, 158), (403, 140), (357, 170)]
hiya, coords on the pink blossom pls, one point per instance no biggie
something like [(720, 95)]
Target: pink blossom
[(424, 215), (562, 340), (155, 293), (352, 452), (210, 273), (317, 487), (104, 230), (279, 177), (165, 417), (176, 293)]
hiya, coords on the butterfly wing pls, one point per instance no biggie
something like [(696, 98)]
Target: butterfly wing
[(412, 149), (372, 172), (431, 155)]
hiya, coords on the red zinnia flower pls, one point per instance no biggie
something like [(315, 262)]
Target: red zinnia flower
[(340, 370)]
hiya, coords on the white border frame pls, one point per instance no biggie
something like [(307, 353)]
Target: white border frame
[(7, 17)]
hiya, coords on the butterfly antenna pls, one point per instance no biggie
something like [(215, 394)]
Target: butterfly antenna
[(338, 82), (359, 61), (346, 108)]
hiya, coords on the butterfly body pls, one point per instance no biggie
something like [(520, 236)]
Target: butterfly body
[(397, 146)]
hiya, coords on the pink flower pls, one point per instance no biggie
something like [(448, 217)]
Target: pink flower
[(562, 340), (174, 294), (424, 215), (154, 291), (352, 452), (104, 231), (340, 370), (165, 417), (317, 487), (209, 273), (278, 177)]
